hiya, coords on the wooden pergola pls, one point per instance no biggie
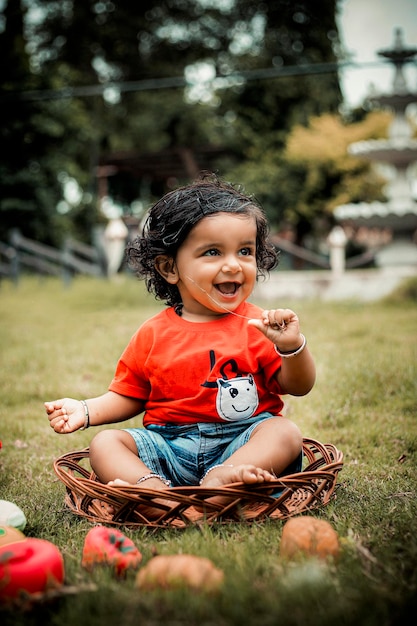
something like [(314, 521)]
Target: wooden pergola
[(161, 170)]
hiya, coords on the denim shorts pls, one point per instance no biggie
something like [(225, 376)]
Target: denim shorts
[(183, 454)]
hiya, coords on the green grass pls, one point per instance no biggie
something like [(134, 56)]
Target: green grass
[(57, 341)]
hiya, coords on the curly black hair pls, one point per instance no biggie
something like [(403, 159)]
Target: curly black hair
[(171, 219)]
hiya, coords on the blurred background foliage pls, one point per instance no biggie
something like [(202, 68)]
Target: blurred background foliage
[(254, 82)]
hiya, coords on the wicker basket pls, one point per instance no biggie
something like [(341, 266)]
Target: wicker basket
[(133, 506)]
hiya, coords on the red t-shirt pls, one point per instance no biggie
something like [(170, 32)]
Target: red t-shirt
[(189, 372)]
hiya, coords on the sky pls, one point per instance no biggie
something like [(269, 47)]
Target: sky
[(366, 26)]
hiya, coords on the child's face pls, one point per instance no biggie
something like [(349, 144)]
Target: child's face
[(216, 265)]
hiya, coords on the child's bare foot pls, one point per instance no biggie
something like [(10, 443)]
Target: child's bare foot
[(222, 475), (227, 474), (155, 484)]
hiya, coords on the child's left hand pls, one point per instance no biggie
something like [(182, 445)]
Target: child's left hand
[(281, 326)]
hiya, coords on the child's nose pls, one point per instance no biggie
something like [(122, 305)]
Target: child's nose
[(231, 264)]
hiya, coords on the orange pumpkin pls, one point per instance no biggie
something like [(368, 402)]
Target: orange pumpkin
[(178, 570), (9, 534), (309, 536)]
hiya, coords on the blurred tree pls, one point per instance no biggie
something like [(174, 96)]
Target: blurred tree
[(280, 35), (302, 185), (321, 149), (109, 77), (40, 139), (21, 185)]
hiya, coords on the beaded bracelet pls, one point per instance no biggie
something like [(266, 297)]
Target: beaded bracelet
[(212, 468), (291, 353), (153, 475), (87, 416)]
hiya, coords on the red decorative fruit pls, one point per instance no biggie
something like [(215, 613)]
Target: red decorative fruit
[(109, 546), (30, 566)]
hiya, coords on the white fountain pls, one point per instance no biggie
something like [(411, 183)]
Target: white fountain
[(398, 155)]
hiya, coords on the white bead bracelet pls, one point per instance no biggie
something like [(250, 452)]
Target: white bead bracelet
[(289, 355), (153, 475), (86, 414)]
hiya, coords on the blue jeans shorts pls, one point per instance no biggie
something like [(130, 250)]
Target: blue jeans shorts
[(183, 454)]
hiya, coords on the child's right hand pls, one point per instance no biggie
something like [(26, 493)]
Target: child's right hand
[(65, 415)]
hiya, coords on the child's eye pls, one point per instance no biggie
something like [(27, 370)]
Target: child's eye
[(211, 252), (246, 252)]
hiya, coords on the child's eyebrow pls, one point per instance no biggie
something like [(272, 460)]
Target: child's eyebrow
[(216, 244), (247, 242)]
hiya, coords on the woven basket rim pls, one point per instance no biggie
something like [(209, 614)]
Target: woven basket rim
[(133, 505)]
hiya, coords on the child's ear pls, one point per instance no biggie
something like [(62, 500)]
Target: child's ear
[(165, 265)]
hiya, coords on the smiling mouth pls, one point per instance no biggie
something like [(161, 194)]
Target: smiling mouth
[(227, 289)]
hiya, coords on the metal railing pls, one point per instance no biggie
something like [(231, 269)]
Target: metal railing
[(23, 254)]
